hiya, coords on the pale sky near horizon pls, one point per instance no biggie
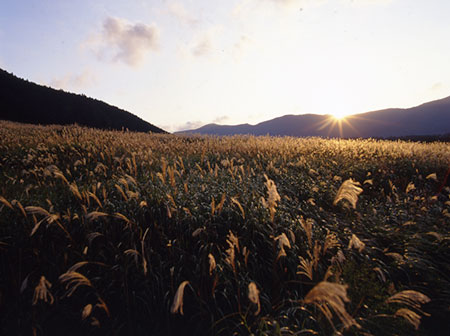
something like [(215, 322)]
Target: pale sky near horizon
[(182, 64)]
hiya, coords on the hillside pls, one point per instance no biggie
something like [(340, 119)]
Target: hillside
[(27, 102), (431, 118)]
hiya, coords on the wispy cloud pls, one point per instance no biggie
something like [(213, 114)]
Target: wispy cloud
[(204, 43), (178, 10), (74, 81), (122, 41), (221, 119), (202, 47), (189, 125)]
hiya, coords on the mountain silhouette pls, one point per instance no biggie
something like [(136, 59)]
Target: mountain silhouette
[(27, 102), (432, 118)]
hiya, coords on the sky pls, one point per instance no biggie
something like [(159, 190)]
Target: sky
[(182, 64)]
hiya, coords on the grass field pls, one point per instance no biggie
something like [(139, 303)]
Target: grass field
[(120, 233)]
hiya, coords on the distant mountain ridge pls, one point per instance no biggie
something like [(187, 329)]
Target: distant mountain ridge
[(432, 118), (27, 102)]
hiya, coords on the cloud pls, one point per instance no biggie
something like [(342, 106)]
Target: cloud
[(202, 47), (74, 81), (220, 119), (204, 43), (189, 125), (178, 10), (122, 41)]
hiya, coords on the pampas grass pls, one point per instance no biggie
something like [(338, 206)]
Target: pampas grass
[(331, 297), (146, 212), (42, 291), (283, 242), (412, 299), (272, 197), (73, 280), (212, 263), (432, 176), (306, 267), (409, 316), (349, 191), (177, 304), (356, 243), (253, 296)]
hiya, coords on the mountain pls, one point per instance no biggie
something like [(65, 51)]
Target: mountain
[(431, 118), (27, 102)]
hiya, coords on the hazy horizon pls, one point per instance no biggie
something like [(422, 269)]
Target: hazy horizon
[(184, 64)]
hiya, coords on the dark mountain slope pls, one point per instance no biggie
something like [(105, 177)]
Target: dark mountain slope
[(431, 118), (27, 102)]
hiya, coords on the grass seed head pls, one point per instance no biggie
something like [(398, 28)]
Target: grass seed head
[(212, 263), (349, 191), (253, 296), (410, 316), (177, 304), (42, 291), (73, 280), (327, 295), (356, 243), (410, 298)]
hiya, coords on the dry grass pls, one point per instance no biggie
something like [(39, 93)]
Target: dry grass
[(177, 304), (122, 218), (349, 190), (331, 297)]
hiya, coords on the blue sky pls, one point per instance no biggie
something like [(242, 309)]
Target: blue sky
[(181, 64)]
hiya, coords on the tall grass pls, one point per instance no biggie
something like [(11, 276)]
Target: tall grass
[(130, 233)]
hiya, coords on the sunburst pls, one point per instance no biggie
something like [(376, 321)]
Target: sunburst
[(336, 121)]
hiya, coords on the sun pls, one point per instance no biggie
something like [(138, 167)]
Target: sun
[(337, 121), (339, 115)]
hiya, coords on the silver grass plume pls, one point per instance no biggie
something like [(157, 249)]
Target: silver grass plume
[(330, 297), (349, 191), (356, 243), (42, 292), (283, 242), (253, 295), (177, 304), (272, 197), (412, 299)]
